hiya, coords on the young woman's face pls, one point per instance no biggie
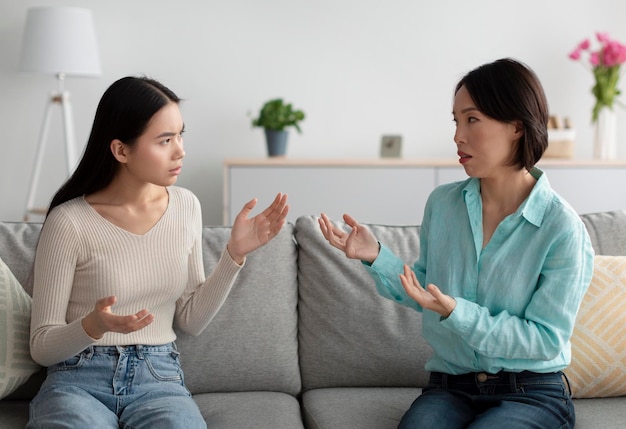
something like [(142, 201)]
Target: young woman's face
[(157, 155), (485, 146)]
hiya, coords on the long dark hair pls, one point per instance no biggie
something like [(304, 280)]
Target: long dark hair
[(123, 113), (508, 91)]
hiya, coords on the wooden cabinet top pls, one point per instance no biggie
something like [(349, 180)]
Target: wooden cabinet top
[(401, 162)]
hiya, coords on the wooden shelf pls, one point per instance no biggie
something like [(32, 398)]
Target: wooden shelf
[(411, 162), (394, 191)]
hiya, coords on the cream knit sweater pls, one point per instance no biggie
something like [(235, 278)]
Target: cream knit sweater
[(81, 257)]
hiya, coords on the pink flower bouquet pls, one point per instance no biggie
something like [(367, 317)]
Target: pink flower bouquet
[(605, 63)]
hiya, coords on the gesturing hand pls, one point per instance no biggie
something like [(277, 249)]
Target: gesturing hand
[(250, 234), (102, 320), (360, 243), (430, 298)]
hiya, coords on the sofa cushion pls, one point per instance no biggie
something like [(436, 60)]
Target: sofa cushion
[(16, 365), (356, 407), (598, 367), (251, 344), (349, 335), (258, 410), (605, 413), (382, 408)]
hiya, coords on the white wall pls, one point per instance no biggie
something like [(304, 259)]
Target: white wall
[(359, 69)]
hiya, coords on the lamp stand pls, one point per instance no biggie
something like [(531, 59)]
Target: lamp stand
[(61, 98)]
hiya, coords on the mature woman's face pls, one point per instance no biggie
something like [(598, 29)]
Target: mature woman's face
[(485, 146)]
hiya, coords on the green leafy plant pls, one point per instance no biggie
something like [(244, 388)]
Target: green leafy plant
[(277, 115)]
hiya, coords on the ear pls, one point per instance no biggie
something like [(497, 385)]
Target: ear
[(519, 129), (119, 151)]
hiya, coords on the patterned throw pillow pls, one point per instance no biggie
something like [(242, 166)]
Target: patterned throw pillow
[(16, 365), (598, 367)]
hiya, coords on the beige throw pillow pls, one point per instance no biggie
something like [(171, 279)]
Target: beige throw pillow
[(16, 365), (598, 367)]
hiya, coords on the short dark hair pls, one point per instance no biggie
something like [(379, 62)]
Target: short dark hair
[(123, 113), (508, 91)]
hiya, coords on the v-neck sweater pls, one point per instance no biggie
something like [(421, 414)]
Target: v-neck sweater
[(81, 257)]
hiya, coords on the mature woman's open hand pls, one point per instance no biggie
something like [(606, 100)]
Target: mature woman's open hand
[(359, 243), (249, 234), (430, 298)]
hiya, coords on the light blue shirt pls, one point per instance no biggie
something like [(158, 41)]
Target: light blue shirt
[(516, 299)]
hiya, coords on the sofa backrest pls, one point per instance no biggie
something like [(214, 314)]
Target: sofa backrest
[(349, 335), (607, 231), (18, 241), (251, 344), (302, 304)]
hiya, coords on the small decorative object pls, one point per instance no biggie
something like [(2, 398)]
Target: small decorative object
[(561, 136), (391, 146), (275, 116), (605, 63)]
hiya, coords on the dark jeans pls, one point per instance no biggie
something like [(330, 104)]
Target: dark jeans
[(524, 400)]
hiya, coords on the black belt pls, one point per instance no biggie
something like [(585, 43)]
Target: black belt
[(482, 378)]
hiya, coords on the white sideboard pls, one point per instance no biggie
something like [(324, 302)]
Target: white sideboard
[(394, 191)]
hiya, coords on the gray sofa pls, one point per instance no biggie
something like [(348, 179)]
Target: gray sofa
[(304, 340)]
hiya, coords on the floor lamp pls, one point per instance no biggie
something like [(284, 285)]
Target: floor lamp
[(60, 41)]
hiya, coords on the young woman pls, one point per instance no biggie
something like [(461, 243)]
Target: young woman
[(504, 263), (119, 261)]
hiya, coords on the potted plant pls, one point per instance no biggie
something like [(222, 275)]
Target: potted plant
[(275, 116)]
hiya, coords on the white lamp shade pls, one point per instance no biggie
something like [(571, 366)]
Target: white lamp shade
[(60, 40)]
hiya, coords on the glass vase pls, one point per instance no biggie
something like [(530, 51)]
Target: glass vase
[(604, 137)]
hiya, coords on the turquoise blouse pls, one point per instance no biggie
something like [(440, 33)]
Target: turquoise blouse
[(517, 297)]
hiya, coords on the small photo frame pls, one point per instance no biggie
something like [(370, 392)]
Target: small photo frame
[(391, 146)]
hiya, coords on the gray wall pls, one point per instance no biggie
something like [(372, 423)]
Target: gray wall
[(359, 69)]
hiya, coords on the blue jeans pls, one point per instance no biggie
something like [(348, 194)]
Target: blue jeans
[(116, 387), (508, 400)]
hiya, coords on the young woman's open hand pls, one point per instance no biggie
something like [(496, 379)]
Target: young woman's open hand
[(249, 234), (102, 320), (359, 243)]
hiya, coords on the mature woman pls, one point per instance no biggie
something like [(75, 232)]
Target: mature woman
[(504, 264)]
